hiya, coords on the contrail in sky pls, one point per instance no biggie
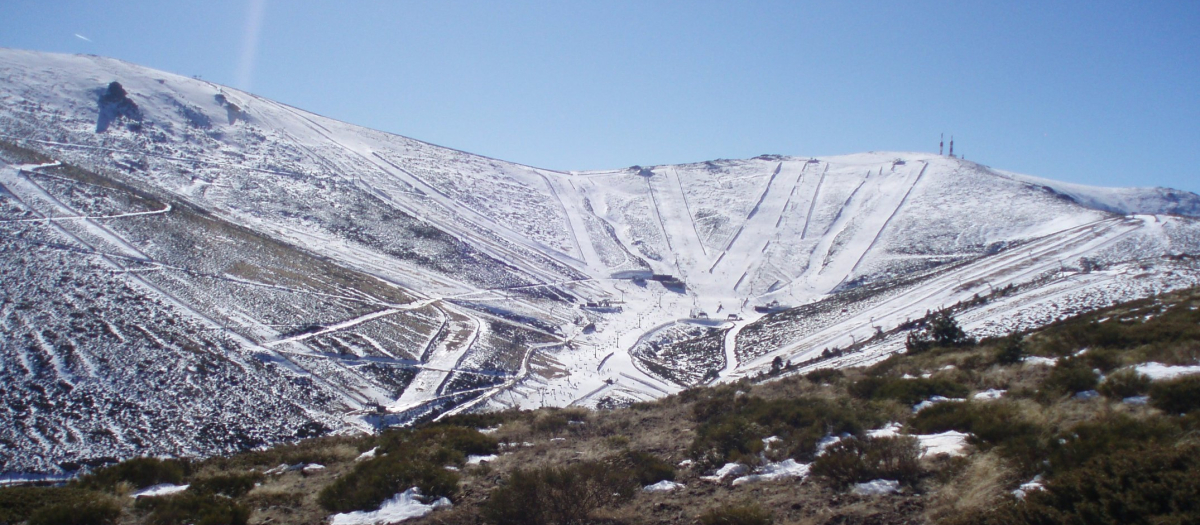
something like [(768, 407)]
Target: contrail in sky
[(254, 18), (81, 37)]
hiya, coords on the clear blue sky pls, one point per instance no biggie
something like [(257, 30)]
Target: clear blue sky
[(1097, 92)]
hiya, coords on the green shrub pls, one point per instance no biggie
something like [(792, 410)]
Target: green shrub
[(748, 514), (1011, 350), (1123, 384), (438, 444), (139, 472), (71, 506), (941, 331), (857, 460), (907, 391), (1071, 376), (1152, 484), (18, 503), (189, 508), (646, 468), (94, 511), (561, 495), (991, 424), (824, 375), (551, 422), (735, 433), (375, 480), (1177, 396), (230, 485), (1108, 435)]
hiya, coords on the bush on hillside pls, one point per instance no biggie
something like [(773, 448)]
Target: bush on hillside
[(907, 391), (47, 505), (138, 472), (858, 460), (1071, 376), (734, 432), (1123, 384), (229, 485), (94, 511), (1177, 396), (646, 468), (188, 508), (1108, 435), (1154, 483), (941, 331), (747, 514), (1011, 350), (558, 495), (374, 481)]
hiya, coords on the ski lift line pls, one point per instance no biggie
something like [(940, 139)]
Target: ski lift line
[(688, 208), (567, 217), (892, 216), (658, 215), (812, 205), (483, 243)]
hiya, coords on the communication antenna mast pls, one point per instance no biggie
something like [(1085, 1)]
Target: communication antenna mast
[(951, 145), (941, 143)]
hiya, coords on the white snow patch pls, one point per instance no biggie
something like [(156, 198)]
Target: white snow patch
[(163, 489), (787, 468), (370, 454), (989, 394), (933, 401), (890, 430), (877, 487), (949, 442), (663, 486), (490, 430), (730, 469), (685, 463), (312, 467), (475, 460), (1036, 360), (1086, 395), (1136, 400), (403, 506), (1029, 486), (1160, 372)]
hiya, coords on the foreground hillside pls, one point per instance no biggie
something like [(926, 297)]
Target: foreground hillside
[(1090, 420), (188, 269)]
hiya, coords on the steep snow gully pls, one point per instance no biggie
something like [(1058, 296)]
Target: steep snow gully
[(453, 281)]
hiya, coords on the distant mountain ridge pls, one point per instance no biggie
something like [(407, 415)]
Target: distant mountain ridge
[(341, 278)]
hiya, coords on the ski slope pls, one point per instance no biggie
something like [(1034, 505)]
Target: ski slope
[(382, 272)]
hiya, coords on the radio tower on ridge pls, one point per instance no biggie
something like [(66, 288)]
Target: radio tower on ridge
[(941, 143)]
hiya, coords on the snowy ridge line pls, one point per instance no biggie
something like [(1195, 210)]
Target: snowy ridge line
[(147, 153)]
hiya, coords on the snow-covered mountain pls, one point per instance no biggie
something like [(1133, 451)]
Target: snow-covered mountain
[(191, 269)]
